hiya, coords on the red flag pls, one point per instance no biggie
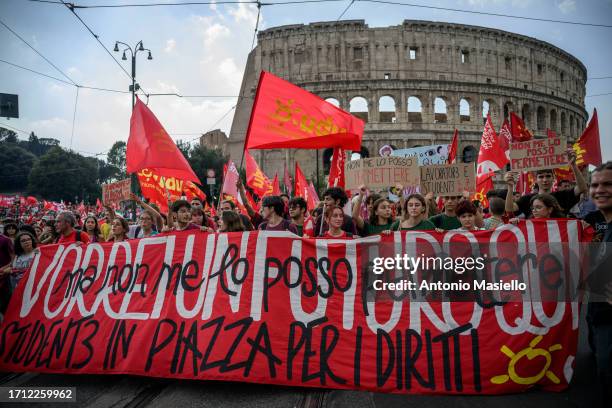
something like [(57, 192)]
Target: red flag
[(251, 200), (150, 146), (192, 191), (159, 189), (588, 148), (452, 148), (505, 138), (336, 171), (551, 133), (276, 186), (98, 205), (287, 180), (287, 116), (32, 200), (256, 179), (484, 183), (313, 198), (301, 185), (229, 180), (519, 131), (491, 156)]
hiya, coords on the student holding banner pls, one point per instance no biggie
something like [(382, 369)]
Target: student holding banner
[(545, 179), (414, 215), (334, 196), (334, 216), (380, 218), (447, 220)]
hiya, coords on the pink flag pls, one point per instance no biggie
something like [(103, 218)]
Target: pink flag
[(313, 197), (230, 180), (491, 156)]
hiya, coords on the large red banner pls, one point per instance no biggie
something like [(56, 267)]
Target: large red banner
[(271, 307), (287, 116)]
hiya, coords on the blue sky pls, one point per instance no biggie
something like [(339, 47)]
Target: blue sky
[(202, 50)]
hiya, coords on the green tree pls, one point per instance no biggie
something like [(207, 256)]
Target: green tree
[(63, 175), (7, 135), (16, 164), (184, 147), (116, 156), (201, 159)]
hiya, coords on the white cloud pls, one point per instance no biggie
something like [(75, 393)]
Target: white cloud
[(231, 73), (215, 32), (489, 3), (567, 6), (213, 5), (170, 44), (244, 13)]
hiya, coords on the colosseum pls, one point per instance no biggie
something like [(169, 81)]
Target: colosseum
[(415, 83)]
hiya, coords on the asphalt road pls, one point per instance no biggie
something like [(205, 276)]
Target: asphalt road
[(121, 391)]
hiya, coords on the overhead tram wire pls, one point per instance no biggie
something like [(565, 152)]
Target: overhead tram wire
[(397, 3), (345, 10), (73, 6), (37, 52)]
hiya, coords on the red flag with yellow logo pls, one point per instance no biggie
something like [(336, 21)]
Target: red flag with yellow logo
[(484, 184), (150, 147), (588, 148), (158, 190), (519, 131), (287, 116), (256, 179)]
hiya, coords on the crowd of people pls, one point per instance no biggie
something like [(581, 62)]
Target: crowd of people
[(337, 216)]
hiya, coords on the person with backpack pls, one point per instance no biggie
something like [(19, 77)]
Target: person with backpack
[(64, 225), (273, 211)]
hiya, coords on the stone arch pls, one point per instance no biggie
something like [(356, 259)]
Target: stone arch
[(386, 109), (488, 107), (440, 110), (469, 154), (415, 109), (571, 126), (563, 124), (333, 101), (508, 107), (358, 106), (526, 114), (464, 110), (541, 118), (553, 120), (327, 158)]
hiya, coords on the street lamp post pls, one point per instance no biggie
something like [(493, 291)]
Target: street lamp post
[(133, 88), (133, 52)]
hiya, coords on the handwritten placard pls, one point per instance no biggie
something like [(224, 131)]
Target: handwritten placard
[(113, 193), (538, 154), (381, 172), (448, 179)]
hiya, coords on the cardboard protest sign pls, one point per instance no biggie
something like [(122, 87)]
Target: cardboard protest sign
[(381, 172), (448, 179), (538, 154), (114, 193), (426, 155), (236, 307)]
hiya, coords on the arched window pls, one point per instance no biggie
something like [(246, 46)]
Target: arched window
[(470, 154), (362, 154), (386, 109), (563, 124), (571, 127), (415, 109), (327, 159), (553, 120), (485, 110), (541, 118), (464, 110), (440, 115), (526, 114), (333, 101), (358, 106), (508, 107)]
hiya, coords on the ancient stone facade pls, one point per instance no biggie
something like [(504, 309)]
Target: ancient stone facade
[(215, 139), (415, 83)]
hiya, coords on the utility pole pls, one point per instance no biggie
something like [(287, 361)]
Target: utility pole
[(133, 88)]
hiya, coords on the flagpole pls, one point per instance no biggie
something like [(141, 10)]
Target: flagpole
[(246, 138), (222, 182)]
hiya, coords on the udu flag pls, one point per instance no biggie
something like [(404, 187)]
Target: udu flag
[(287, 116), (271, 307)]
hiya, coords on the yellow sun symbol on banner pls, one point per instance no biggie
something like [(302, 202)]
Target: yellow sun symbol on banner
[(531, 353)]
